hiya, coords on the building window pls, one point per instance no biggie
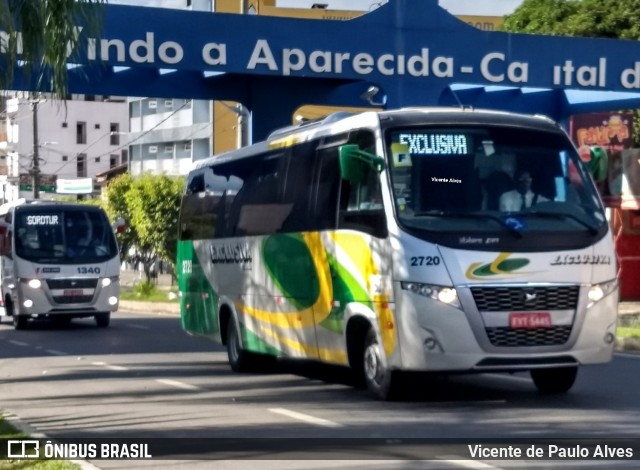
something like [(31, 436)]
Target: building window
[(168, 104), (64, 124), (114, 128), (96, 126), (187, 146), (153, 104), (153, 149), (113, 160), (124, 156), (65, 158), (81, 133), (97, 159), (81, 166), (168, 148)]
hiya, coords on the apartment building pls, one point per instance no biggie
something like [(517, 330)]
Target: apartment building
[(66, 143)]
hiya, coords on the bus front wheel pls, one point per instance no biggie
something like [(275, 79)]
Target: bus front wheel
[(103, 319), (239, 359), (381, 381), (19, 322), (555, 380)]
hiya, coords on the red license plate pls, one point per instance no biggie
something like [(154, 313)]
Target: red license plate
[(73, 292), (530, 320)]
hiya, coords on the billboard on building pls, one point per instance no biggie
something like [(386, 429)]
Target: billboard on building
[(619, 183)]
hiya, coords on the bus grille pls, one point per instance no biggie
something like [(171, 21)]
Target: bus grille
[(508, 337), (514, 299), (90, 283), (71, 284)]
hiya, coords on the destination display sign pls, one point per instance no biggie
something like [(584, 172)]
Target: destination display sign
[(435, 143)]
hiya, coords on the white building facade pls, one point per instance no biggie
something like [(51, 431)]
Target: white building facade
[(76, 139), (167, 135)]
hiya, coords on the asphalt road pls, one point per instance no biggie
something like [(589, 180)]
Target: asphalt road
[(143, 377)]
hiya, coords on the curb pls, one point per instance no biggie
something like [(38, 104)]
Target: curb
[(33, 432), (628, 344), (150, 308)]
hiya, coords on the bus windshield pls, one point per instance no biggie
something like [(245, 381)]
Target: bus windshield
[(63, 236), (454, 185)]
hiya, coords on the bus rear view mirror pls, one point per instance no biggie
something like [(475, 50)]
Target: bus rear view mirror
[(356, 163), (5, 243)]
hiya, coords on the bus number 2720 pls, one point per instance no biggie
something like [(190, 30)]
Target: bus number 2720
[(425, 260)]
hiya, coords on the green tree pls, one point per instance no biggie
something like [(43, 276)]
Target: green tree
[(542, 17), (614, 19), (116, 206), (150, 205), (43, 33)]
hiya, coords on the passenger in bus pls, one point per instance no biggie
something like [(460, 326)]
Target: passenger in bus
[(84, 241), (30, 239), (522, 197)]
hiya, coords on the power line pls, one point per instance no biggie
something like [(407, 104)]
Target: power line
[(75, 158)]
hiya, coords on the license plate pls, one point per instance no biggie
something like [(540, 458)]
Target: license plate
[(73, 292), (530, 320)]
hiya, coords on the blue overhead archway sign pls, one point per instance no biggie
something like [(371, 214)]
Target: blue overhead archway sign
[(412, 51)]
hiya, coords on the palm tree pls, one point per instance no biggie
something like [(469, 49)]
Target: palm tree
[(42, 34)]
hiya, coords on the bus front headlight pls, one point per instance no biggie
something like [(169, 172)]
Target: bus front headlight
[(107, 281), (446, 295), (33, 283), (597, 292)]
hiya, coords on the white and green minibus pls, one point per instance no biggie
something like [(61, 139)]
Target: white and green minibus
[(381, 241)]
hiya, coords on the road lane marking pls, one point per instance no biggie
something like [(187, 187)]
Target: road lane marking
[(18, 343), (510, 377), (55, 352), (109, 366), (305, 417), (175, 383), (463, 462)]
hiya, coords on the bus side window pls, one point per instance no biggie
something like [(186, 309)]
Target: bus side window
[(361, 202), (325, 202), (298, 187), (191, 209), (263, 211), (5, 241)]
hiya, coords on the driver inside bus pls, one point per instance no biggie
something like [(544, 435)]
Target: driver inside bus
[(522, 197), (30, 239), (84, 240)]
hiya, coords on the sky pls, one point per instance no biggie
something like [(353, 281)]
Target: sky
[(455, 7)]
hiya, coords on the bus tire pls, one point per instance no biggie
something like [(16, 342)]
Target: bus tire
[(380, 380), (19, 322), (555, 380), (103, 319), (239, 359)]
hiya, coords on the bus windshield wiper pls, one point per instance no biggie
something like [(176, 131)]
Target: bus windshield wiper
[(592, 228), (515, 229)]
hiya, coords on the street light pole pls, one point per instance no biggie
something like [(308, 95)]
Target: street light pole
[(36, 157)]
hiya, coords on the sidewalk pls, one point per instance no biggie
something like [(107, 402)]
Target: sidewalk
[(629, 307), (128, 277)]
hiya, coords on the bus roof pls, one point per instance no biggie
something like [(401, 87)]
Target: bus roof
[(29, 203), (343, 121)]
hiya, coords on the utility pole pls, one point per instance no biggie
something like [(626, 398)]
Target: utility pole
[(36, 157)]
